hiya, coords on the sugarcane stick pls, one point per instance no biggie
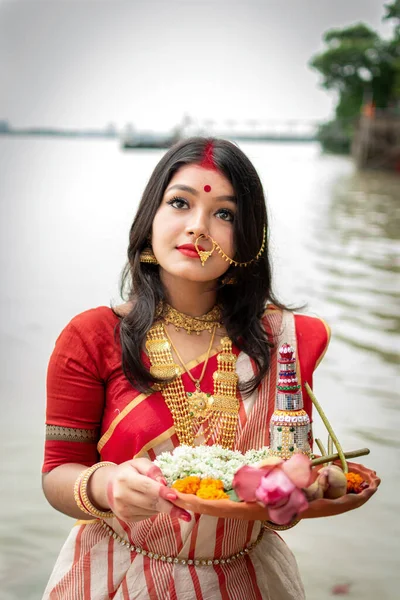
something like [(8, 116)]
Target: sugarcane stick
[(330, 445), (321, 447), (328, 426), (331, 457)]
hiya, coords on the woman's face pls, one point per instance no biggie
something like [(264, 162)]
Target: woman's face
[(197, 201)]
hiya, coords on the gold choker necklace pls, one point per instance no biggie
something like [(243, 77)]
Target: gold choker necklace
[(190, 324)]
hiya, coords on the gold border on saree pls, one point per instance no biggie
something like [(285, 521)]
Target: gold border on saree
[(58, 433)]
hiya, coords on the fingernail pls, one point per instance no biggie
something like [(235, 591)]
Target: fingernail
[(155, 473), (171, 496)]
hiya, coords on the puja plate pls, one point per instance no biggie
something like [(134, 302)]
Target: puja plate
[(252, 511)]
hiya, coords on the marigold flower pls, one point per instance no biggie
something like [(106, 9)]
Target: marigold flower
[(187, 485), (208, 488), (355, 483), (210, 492), (211, 489), (207, 481)]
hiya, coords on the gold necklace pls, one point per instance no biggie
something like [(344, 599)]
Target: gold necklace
[(199, 402), (190, 324), (220, 419)]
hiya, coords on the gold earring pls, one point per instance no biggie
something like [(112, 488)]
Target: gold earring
[(229, 280), (147, 256)]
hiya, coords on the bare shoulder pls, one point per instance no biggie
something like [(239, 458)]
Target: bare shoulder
[(121, 310)]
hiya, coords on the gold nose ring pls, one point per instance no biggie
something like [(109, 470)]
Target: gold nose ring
[(204, 254)]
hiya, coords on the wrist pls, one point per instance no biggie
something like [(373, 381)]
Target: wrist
[(277, 527), (97, 487)]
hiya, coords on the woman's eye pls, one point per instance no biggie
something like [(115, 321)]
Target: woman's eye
[(178, 203), (225, 214)]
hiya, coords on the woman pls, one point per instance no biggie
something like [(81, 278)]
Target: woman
[(129, 383)]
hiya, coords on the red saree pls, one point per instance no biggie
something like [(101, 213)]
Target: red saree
[(94, 413)]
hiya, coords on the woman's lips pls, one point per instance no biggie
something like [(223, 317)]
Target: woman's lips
[(189, 250)]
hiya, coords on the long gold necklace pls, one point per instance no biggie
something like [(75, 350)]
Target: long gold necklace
[(199, 402), (218, 418), (190, 324)]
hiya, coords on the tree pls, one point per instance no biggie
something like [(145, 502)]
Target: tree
[(357, 66), (360, 67), (393, 12), (393, 47)]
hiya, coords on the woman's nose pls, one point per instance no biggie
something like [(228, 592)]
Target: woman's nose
[(197, 226)]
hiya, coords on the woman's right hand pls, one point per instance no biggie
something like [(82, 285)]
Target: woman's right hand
[(134, 490)]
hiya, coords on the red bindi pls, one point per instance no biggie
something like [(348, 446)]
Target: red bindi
[(207, 188)]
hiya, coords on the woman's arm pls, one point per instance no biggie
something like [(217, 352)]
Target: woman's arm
[(134, 490), (76, 384), (58, 487)]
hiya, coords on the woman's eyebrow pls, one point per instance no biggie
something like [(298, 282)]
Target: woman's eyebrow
[(183, 188), (227, 199)]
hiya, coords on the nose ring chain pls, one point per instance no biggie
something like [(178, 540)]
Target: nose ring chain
[(205, 255)]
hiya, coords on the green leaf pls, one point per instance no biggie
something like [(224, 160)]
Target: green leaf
[(233, 496)]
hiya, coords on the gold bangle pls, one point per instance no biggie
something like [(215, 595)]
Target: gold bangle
[(276, 527), (80, 492), (76, 491)]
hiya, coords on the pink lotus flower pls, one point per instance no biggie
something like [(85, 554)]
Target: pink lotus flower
[(276, 484)]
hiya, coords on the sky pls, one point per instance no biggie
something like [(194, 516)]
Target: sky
[(89, 63)]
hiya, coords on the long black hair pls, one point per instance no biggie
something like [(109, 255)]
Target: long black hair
[(243, 303)]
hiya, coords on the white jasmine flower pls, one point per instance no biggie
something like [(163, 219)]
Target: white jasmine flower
[(206, 461)]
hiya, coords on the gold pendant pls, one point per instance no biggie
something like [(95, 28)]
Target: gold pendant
[(204, 254), (199, 403)]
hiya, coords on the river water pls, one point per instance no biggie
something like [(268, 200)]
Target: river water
[(66, 208)]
